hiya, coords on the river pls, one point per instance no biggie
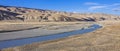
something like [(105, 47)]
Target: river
[(19, 42)]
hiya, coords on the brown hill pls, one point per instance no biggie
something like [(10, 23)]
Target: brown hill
[(38, 15), (5, 15)]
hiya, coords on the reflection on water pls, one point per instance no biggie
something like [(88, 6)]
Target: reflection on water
[(13, 43)]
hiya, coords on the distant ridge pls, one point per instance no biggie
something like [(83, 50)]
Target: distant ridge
[(41, 15)]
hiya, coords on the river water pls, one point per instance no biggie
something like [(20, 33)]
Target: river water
[(19, 42)]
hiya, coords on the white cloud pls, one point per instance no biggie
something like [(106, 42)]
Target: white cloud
[(91, 3), (96, 7), (116, 9), (116, 4)]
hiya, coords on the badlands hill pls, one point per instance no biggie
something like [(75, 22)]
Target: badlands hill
[(11, 13)]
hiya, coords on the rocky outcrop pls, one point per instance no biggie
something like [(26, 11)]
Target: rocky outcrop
[(5, 15), (40, 15)]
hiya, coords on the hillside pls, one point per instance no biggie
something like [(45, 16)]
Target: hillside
[(39, 15)]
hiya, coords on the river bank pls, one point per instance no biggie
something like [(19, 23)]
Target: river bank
[(20, 42), (44, 29), (104, 39)]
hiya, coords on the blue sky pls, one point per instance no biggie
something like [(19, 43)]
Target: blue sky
[(80, 6)]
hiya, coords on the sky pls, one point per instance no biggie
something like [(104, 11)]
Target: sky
[(76, 6)]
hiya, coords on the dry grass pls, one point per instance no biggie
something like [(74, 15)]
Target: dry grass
[(104, 39)]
